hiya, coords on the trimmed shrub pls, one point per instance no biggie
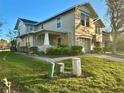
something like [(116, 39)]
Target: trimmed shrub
[(58, 51), (66, 51), (50, 51), (54, 51), (74, 50), (41, 53), (64, 46), (97, 50), (34, 50)]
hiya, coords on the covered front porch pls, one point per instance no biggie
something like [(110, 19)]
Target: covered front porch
[(44, 39)]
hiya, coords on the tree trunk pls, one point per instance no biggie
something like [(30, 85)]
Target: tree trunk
[(114, 50), (114, 43)]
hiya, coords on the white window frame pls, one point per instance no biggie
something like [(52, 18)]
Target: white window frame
[(42, 26), (59, 21), (85, 22), (98, 29)]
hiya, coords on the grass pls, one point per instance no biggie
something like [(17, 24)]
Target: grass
[(21, 69), (99, 75)]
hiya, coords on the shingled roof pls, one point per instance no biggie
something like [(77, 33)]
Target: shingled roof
[(26, 21), (87, 4), (30, 22)]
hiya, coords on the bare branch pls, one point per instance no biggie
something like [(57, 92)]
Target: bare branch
[(116, 15)]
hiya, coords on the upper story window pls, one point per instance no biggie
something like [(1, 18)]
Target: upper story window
[(42, 26), (97, 29), (31, 28), (82, 19), (85, 20), (18, 33), (59, 22)]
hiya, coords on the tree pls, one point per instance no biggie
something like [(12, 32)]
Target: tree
[(116, 16), (1, 24), (12, 34)]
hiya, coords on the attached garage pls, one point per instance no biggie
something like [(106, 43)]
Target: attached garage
[(85, 43)]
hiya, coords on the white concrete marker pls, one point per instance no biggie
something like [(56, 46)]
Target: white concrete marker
[(76, 66), (60, 68)]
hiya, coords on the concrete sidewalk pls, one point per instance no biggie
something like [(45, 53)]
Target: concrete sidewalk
[(47, 59), (108, 57), (65, 58)]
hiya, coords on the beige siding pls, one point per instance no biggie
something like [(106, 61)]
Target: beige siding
[(87, 32), (22, 28), (24, 40), (79, 29), (67, 25)]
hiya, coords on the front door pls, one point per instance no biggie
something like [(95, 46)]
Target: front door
[(59, 41)]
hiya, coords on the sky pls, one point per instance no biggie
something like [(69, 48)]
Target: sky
[(39, 10)]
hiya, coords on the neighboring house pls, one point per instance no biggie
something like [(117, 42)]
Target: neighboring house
[(107, 39), (78, 25), (3, 44)]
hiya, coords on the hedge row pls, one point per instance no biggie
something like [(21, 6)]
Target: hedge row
[(101, 50), (74, 50), (63, 50)]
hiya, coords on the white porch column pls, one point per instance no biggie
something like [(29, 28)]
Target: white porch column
[(46, 39)]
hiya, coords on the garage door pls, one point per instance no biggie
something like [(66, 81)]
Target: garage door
[(85, 43)]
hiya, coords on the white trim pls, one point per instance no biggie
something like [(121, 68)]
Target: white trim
[(46, 39)]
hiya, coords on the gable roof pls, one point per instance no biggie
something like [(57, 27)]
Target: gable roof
[(30, 22), (94, 14), (63, 12), (25, 21), (73, 7)]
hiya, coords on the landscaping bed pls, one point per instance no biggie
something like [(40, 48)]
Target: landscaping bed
[(30, 75)]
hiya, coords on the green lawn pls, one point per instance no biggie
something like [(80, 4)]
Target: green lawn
[(99, 75)]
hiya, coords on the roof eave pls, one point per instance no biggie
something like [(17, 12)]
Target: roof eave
[(57, 15)]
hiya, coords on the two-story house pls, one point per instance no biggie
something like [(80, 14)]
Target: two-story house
[(78, 25)]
